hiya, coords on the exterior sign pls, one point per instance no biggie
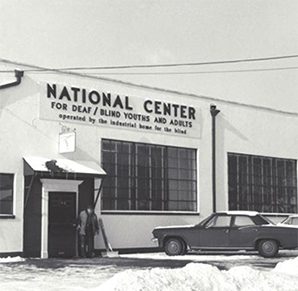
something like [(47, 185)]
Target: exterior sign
[(98, 108), (67, 142)]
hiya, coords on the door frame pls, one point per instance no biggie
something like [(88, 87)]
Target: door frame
[(53, 185)]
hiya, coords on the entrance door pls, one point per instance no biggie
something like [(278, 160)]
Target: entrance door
[(62, 223)]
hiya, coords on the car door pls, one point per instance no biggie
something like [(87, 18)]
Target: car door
[(215, 234), (243, 232)]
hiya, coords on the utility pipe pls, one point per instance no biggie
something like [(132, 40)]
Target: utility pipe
[(214, 111), (18, 74)]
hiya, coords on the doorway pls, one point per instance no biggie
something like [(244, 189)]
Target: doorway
[(62, 238)]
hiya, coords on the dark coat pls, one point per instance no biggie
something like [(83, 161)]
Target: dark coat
[(83, 222)]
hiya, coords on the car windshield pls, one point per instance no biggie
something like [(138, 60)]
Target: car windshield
[(205, 220)]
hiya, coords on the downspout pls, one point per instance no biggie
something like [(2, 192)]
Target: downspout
[(214, 112), (98, 192), (18, 74)]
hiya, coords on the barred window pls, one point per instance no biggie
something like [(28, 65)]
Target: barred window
[(263, 184), (6, 193), (145, 177)]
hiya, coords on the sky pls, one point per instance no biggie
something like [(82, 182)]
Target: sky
[(68, 33)]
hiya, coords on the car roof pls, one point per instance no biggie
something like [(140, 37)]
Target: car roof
[(239, 212)]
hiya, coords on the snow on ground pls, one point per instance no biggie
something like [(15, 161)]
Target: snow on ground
[(289, 267), (70, 278), (222, 260), (197, 276), (239, 273), (11, 260), (194, 257)]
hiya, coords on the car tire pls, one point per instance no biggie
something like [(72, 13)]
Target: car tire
[(184, 251), (268, 248), (174, 247)]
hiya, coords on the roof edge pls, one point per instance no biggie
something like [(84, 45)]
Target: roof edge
[(143, 86)]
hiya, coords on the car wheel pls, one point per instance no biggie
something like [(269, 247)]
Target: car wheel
[(174, 247), (184, 250), (268, 248)]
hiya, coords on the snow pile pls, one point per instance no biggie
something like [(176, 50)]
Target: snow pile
[(196, 276), (11, 260), (289, 267)]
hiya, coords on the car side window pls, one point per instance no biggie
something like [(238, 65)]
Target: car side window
[(243, 221), (289, 221), (219, 221)]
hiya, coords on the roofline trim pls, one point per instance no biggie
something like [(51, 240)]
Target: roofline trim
[(169, 91)]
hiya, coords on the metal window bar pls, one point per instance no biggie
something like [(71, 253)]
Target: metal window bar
[(275, 181), (133, 175)]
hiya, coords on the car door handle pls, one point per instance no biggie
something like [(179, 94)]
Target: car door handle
[(226, 230)]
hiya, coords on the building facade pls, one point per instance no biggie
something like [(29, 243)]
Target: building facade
[(65, 138)]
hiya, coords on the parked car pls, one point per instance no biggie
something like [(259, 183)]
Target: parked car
[(231, 230), (291, 220)]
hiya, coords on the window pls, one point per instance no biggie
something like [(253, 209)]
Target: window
[(263, 184), (219, 221), (243, 221), (261, 220), (6, 193), (145, 177), (292, 221)]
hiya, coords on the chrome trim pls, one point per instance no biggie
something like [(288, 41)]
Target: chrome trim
[(223, 248)]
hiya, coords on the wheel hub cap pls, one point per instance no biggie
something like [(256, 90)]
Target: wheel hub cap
[(173, 246), (268, 247)]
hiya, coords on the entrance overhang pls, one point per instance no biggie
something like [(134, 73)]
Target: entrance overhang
[(38, 165), (56, 175)]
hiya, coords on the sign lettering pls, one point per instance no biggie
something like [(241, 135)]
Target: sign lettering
[(96, 107)]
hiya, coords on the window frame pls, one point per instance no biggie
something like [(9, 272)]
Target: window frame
[(158, 212), (262, 183), (12, 214)]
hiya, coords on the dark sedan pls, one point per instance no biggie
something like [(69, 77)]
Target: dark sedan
[(231, 230)]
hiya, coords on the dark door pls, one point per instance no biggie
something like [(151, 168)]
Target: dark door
[(62, 219)]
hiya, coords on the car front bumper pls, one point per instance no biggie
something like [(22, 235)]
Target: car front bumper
[(155, 241)]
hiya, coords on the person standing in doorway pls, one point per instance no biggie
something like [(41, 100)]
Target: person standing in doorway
[(88, 227)]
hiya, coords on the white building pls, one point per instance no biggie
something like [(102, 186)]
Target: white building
[(155, 147)]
